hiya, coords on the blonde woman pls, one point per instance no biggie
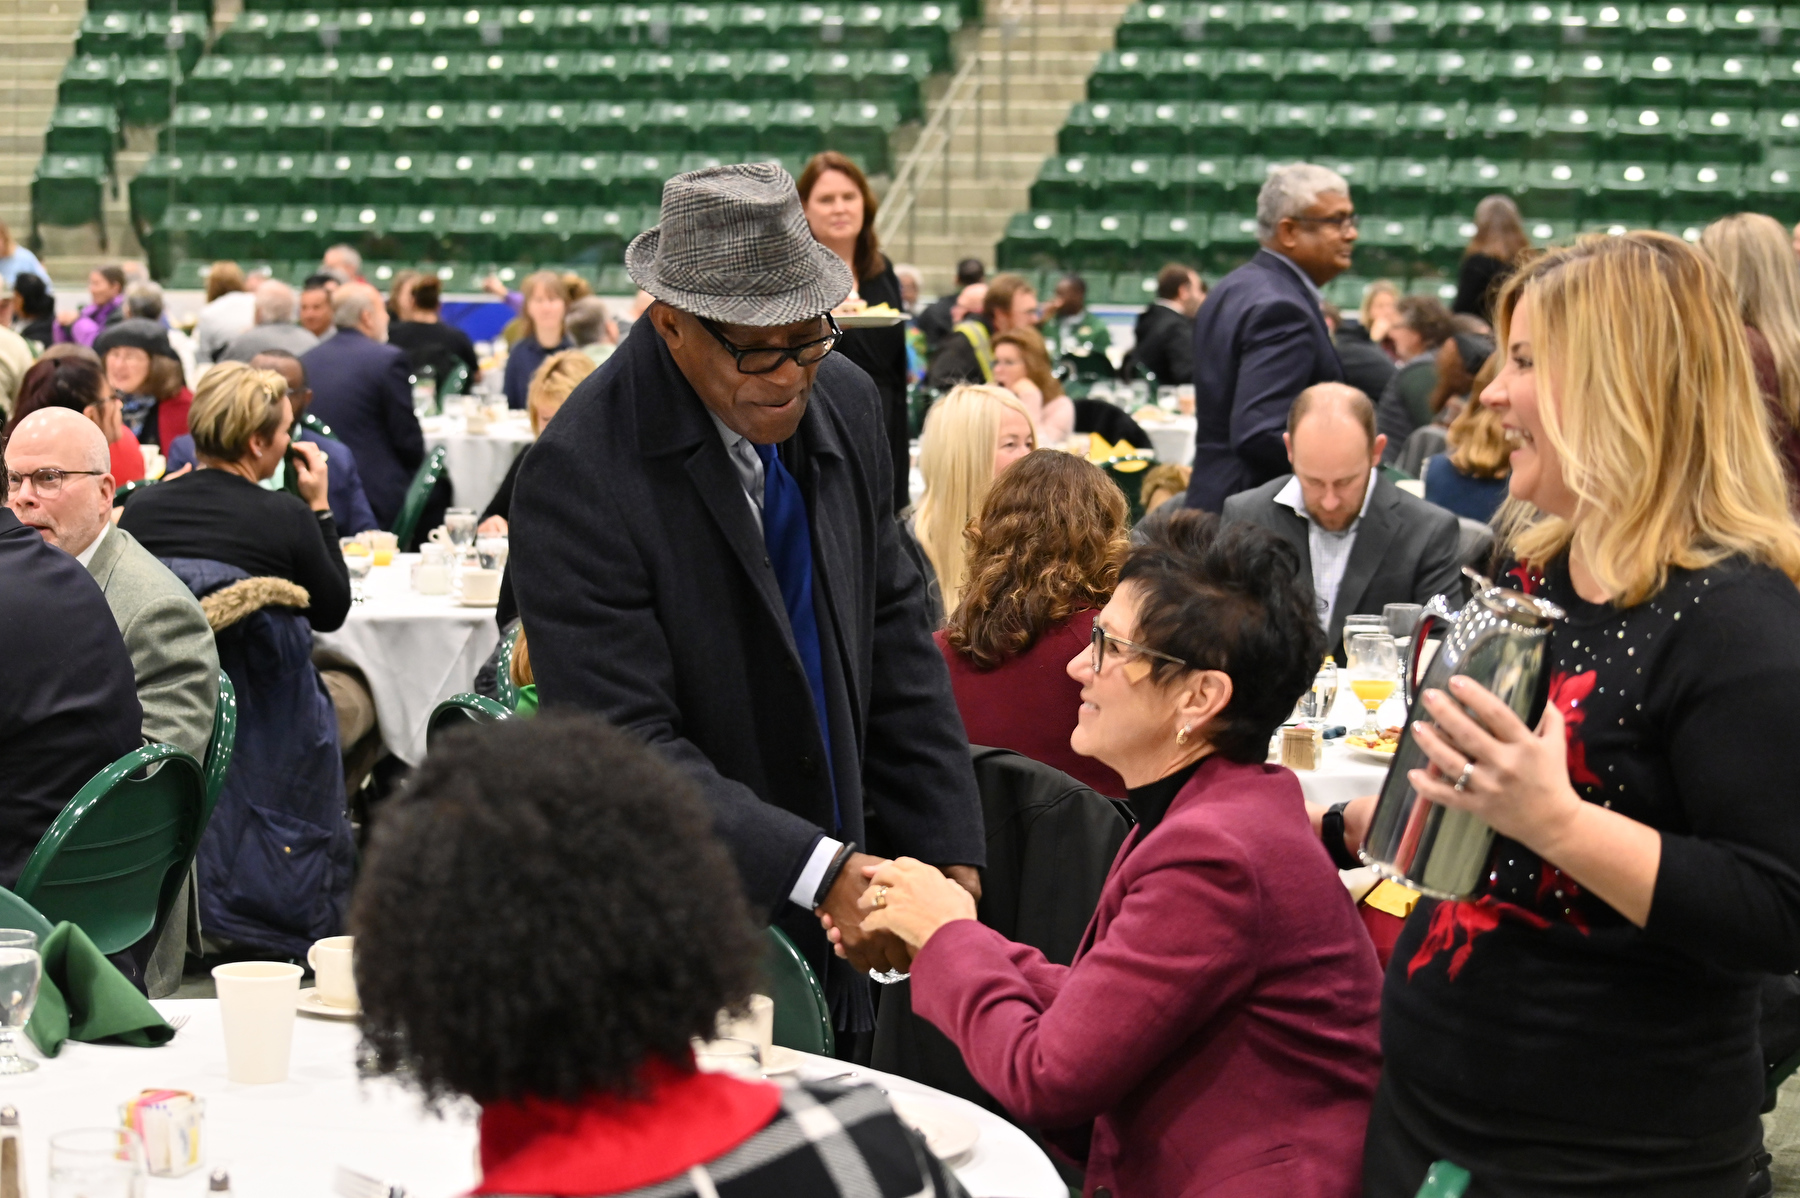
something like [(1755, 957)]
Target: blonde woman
[(1380, 312), (240, 422), (970, 436), (553, 383), (1587, 1022), (1758, 259), (1022, 366), (547, 302)]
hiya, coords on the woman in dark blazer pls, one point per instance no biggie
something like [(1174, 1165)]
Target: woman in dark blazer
[(840, 207), (1217, 1031)]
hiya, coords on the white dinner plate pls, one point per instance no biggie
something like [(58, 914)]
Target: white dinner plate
[(777, 1060), (949, 1135), (473, 603), (878, 321), (1370, 755), (312, 1004)]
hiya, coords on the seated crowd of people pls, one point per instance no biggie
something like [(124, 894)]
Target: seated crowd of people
[(761, 683)]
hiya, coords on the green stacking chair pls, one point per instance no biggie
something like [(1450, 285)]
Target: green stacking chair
[(1427, 128), (1247, 75), (639, 178), (521, 179), (1719, 135), (1731, 80), (1411, 186), (1631, 192), (109, 33), (1362, 125), (242, 231), (455, 178), (1557, 189), (802, 1016), (1743, 28), (399, 176), (780, 75), (1645, 134), (424, 126), (669, 127), (418, 230), (582, 178), (1569, 131), (1551, 232), (21, 916), (1121, 76), (300, 232), (860, 128), (1599, 24), (1377, 72), (1171, 237), (458, 711), (1500, 130), (190, 129), (1035, 239), (1520, 75), (597, 75), (1222, 128), (1667, 25), (1292, 131), (1321, 75), (794, 127), (1591, 77), (67, 190), (1454, 73), (1277, 24), (1231, 240), (478, 231), (309, 125), (1200, 183), (406, 525), (1139, 184), (213, 80), (604, 232), (1067, 182), (1391, 246), (1445, 240), (162, 179), (113, 862), (1104, 240), (1705, 191), (83, 129), (89, 79)]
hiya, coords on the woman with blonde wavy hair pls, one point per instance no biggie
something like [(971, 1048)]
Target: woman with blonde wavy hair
[(970, 436), (1043, 558), (1758, 259), (1587, 1021)]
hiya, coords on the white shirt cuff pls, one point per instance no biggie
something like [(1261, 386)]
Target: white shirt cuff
[(814, 873)]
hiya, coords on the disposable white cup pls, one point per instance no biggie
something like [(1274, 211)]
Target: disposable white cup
[(757, 1025), (257, 1000), (431, 578), (334, 977), (480, 586)]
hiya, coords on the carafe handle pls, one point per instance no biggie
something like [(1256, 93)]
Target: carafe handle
[(1437, 612)]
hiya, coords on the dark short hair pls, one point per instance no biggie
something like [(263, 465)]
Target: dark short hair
[(1075, 281), (1229, 597), (970, 271), (1426, 316), (320, 282), (426, 292), (69, 381), (1172, 278), (34, 294), (544, 909), (281, 355), (1000, 293)]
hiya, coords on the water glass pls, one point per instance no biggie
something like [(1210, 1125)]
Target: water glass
[(21, 969), (460, 523), (1359, 623), (1402, 618), (97, 1162), (1374, 673), (492, 551)]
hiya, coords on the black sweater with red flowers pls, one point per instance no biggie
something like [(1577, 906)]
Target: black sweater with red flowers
[(1684, 714)]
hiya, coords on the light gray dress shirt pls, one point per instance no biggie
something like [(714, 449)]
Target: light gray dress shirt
[(1330, 551)]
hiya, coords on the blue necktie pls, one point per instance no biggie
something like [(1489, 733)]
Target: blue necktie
[(787, 533)]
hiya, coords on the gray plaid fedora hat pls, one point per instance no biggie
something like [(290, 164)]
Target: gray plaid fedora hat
[(734, 246)]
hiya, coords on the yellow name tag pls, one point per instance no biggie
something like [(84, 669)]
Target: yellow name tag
[(1393, 898)]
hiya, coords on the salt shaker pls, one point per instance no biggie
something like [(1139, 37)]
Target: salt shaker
[(220, 1183)]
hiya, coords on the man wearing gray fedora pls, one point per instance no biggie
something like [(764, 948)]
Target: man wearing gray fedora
[(704, 551)]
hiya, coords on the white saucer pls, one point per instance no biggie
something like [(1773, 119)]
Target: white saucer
[(1370, 755), (312, 1004), (777, 1060), (472, 603), (950, 1135)]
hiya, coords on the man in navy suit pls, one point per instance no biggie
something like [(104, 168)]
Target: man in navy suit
[(362, 388), (349, 505), (1261, 339)]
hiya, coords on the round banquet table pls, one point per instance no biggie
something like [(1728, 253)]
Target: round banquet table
[(477, 462), (1345, 774), (415, 650), (287, 1140)]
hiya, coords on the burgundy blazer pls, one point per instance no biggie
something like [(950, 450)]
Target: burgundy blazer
[(1219, 1023), (1029, 703)]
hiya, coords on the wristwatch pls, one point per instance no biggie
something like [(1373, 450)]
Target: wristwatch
[(1331, 831), (836, 867)]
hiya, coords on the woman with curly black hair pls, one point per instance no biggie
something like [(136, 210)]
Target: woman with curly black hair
[(544, 923), (1217, 1029)]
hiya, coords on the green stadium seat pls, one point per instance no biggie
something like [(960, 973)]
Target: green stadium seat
[(605, 232), (540, 76), (365, 126), (833, 76), (113, 32), (305, 126), (1551, 232), (1591, 77), (1147, 26), (487, 75), (1248, 76), (1780, 128), (584, 178), (926, 29), (1346, 291), (162, 179), (1035, 239), (615, 280), (652, 75), (213, 80), (1091, 128), (287, 79), (219, 177), (1468, 23), (1121, 76), (1500, 130), (67, 189), (83, 129), (1401, 24), (1131, 288), (192, 128), (1471, 179), (712, 75), (1390, 246), (860, 129), (1599, 24), (1521, 75), (89, 79), (1783, 77), (338, 177), (669, 127), (1743, 28), (753, 26), (242, 231), (729, 128), (491, 125), (547, 127), (1362, 124), (1463, 75), (639, 178), (252, 33), (181, 233), (273, 177), (1200, 183), (1333, 24), (1315, 75), (1223, 128), (417, 230), (1436, 286), (777, 75), (1629, 191), (1730, 79), (1718, 135), (423, 74), (1171, 237), (300, 232), (1671, 26), (146, 89), (1273, 23), (401, 176), (1231, 240), (1569, 131), (1428, 127), (1139, 184), (795, 127), (309, 31), (1377, 72), (1445, 240), (1769, 187), (361, 225), (1556, 189), (354, 77), (1158, 128), (452, 178), (1645, 134), (542, 234), (895, 77), (1292, 131), (1532, 25), (1656, 78), (521, 179), (479, 231), (1359, 173), (1411, 186)]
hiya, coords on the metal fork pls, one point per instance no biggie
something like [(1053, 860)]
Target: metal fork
[(179, 1022), (350, 1184)]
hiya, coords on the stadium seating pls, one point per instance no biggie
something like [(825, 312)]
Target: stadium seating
[(1592, 114)]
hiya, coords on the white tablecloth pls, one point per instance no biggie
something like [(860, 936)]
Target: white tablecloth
[(286, 1140), (1173, 438), (477, 462), (1345, 775), (416, 651)]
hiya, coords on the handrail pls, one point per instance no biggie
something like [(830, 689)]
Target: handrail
[(934, 143)]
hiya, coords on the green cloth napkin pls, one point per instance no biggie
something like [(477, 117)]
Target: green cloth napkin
[(84, 997), (527, 705)]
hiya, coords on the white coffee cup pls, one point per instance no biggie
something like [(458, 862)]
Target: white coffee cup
[(480, 586), (757, 1025), (333, 974), (431, 578), (441, 536), (435, 552), (257, 1000)]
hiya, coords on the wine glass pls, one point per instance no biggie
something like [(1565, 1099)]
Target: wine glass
[(20, 971), (1374, 663), (97, 1162), (460, 523)]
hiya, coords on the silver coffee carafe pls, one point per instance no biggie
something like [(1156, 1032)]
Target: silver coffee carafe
[(1501, 639)]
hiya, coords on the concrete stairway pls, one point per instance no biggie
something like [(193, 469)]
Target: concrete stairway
[(1034, 62)]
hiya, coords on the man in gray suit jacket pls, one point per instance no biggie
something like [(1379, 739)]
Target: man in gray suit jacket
[(66, 493), (1365, 542)]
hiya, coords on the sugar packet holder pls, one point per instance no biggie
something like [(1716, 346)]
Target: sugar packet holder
[(169, 1123)]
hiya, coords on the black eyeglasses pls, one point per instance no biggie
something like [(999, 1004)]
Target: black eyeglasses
[(45, 482), (759, 359), (1343, 221), (1101, 637)]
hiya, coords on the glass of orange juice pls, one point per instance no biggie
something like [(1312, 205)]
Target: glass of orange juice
[(1374, 668)]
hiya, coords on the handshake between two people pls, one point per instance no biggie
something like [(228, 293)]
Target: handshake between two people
[(880, 913)]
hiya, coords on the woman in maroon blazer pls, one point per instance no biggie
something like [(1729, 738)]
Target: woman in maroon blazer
[(1044, 555), (1216, 1034)]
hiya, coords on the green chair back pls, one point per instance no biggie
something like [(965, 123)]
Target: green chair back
[(218, 749), (505, 691), (127, 490), (1130, 479), (115, 859), (460, 710), (1444, 1180), (318, 426), (16, 913), (802, 1018), (417, 492), (454, 382)]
